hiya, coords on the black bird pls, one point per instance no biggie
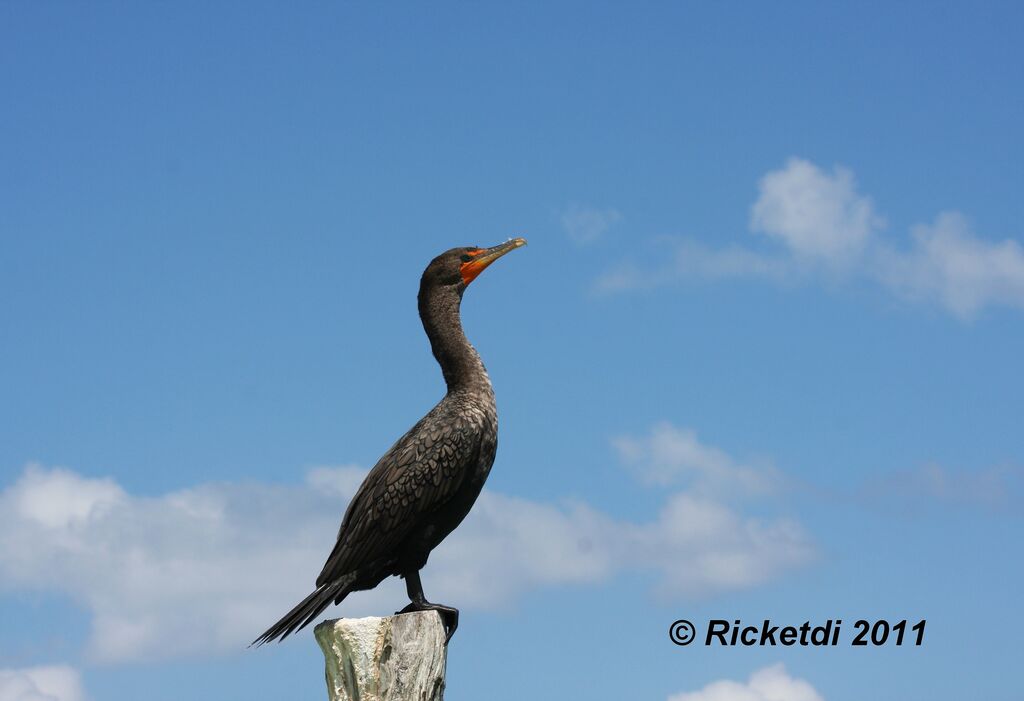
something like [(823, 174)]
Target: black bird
[(423, 487)]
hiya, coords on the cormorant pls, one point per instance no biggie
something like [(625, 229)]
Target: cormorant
[(425, 484)]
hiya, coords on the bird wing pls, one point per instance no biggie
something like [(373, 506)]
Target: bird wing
[(415, 477)]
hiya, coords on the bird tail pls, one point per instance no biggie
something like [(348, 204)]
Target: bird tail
[(307, 609)]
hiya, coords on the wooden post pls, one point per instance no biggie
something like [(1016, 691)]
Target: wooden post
[(396, 658)]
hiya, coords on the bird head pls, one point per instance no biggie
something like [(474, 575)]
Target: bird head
[(458, 267)]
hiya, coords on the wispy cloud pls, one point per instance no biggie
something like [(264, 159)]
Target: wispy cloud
[(54, 683), (672, 455), (205, 569), (991, 489), (689, 260), (825, 228), (767, 684), (585, 224)]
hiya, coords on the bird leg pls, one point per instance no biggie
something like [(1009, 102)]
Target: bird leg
[(449, 615)]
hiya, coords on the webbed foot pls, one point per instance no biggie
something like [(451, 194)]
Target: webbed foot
[(449, 615)]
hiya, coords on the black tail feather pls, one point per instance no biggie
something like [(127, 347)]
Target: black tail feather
[(307, 609)]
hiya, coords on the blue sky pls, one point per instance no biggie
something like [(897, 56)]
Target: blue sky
[(761, 358)]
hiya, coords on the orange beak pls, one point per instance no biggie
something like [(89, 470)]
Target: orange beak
[(482, 257)]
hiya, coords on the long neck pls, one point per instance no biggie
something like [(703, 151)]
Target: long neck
[(459, 361)]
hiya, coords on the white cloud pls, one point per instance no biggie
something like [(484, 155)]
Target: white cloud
[(208, 568), (66, 500), (829, 230), (699, 543), (816, 215), (948, 263), (700, 546), (55, 683), (696, 545), (767, 684), (587, 224), (670, 455), (193, 570), (509, 545)]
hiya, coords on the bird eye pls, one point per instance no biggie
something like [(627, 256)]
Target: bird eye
[(466, 257)]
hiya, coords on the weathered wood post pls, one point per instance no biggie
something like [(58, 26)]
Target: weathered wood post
[(396, 658)]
